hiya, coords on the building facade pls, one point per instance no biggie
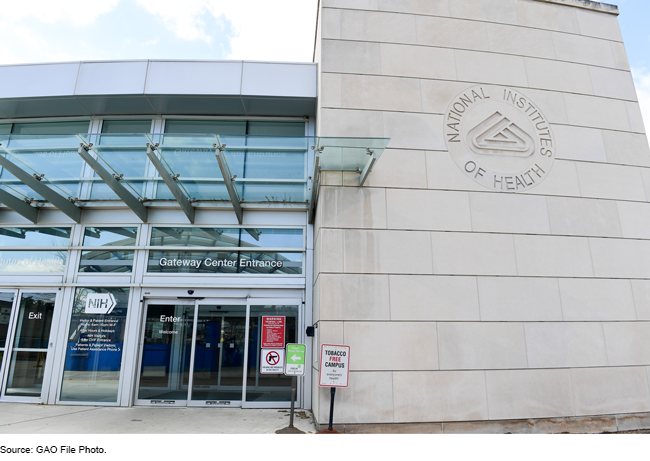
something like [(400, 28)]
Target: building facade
[(456, 189)]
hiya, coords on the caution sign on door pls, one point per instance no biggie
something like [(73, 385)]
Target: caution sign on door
[(272, 361)]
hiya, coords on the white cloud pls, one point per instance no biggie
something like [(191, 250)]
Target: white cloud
[(78, 12), (642, 83), (278, 30)]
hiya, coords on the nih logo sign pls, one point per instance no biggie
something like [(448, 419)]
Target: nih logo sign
[(100, 303)]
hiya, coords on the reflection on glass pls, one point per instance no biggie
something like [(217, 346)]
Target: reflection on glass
[(165, 366), (100, 261), (219, 353), (26, 369), (94, 350), (218, 237), (110, 236), (34, 236), (33, 261), (268, 387), (60, 128), (225, 262), (6, 301)]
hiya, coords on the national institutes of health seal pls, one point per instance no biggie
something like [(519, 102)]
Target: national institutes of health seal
[(499, 138)]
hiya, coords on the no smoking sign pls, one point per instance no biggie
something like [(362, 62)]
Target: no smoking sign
[(272, 361)]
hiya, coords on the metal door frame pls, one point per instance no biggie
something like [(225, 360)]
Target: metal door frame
[(49, 360)]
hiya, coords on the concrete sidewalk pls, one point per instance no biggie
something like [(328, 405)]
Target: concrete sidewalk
[(19, 418)]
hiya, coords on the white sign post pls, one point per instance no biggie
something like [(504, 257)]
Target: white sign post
[(334, 372), (272, 361)]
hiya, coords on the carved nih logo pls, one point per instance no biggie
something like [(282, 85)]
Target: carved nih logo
[(499, 138)]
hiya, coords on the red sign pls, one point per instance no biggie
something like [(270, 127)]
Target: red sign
[(273, 331)]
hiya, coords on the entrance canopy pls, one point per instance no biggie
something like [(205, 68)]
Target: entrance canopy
[(142, 170)]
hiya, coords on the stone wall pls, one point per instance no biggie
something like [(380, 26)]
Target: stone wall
[(463, 302)]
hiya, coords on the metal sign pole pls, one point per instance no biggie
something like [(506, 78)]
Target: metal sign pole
[(332, 394), (294, 381)]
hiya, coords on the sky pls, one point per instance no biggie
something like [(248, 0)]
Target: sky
[(266, 30)]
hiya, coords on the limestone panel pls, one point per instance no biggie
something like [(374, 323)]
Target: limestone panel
[(473, 254), (626, 148), (502, 11), (374, 26), (428, 210), (394, 252), (328, 333), (380, 93), (610, 390), (610, 181), (596, 299), (351, 4), (531, 13), (635, 219), (584, 50), (597, 112), (354, 297), (328, 254), (558, 76), (330, 26), (612, 83), (353, 207), (645, 175), (620, 258), (437, 8), (451, 33), (414, 131), (509, 213), (620, 55), (500, 69), (596, 24), (518, 394), (551, 104), (437, 94), (330, 95), (352, 123), (443, 173), (562, 180), (418, 61), (439, 396), (635, 117), (565, 344), (399, 168), (359, 402), (350, 57), (509, 299), (641, 291), (474, 345), (553, 256), (392, 345), (628, 343), (576, 143), (433, 297), (522, 41), (584, 217)]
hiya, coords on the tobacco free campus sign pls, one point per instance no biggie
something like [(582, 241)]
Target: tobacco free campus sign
[(499, 138)]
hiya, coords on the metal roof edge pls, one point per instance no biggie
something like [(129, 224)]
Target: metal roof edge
[(587, 5)]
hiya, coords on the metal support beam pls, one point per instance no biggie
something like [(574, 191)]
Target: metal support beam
[(368, 167), (113, 182), (19, 206), (228, 180), (170, 180), (62, 203)]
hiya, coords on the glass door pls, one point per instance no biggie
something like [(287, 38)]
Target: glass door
[(26, 344), (7, 299)]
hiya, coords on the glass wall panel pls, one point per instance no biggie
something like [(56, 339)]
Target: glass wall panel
[(101, 261), (205, 126), (6, 302), (33, 325), (218, 371), (5, 128), (33, 261), (80, 126), (166, 352), (221, 237), (268, 387), (225, 262), (126, 126), (110, 236), (35, 237), (276, 128), (95, 342)]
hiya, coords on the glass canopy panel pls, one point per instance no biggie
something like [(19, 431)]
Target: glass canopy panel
[(348, 154), (54, 156)]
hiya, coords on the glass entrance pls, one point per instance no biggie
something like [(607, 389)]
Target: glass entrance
[(207, 353), (25, 325)]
